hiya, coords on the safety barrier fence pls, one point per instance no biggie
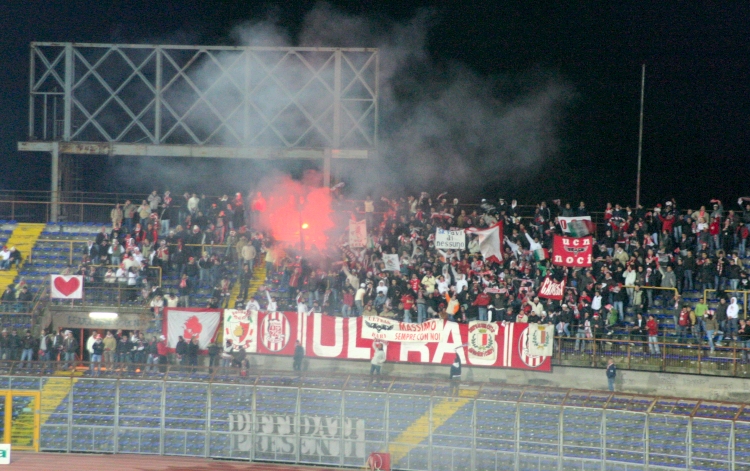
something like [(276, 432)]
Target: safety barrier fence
[(338, 420), (664, 355)]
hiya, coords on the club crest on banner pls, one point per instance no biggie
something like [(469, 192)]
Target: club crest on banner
[(527, 357), (275, 331), (240, 327), (482, 346)]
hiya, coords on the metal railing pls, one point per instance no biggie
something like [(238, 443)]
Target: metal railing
[(338, 420), (743, 293), (661, 356), (116, 295)]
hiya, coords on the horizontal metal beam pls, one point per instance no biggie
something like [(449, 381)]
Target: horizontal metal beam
[(176, 150), (213, 48)]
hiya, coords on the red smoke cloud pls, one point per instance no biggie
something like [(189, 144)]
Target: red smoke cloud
[(292, 205)]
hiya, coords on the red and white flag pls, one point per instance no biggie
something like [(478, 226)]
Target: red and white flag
[(66, 287), (552, 289), (187, 322), (572, 251), (489, 241)]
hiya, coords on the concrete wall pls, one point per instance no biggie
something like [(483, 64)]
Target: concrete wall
[(638, 382)]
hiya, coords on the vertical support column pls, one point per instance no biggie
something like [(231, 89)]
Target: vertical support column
[(376, 97), (55, 183), (157, 98), (430, 429), (246, 99), (68, 92), (162, 424), (560, 438), (342, 441), (32, 67), (116, 433), (207, 443), (337, 100), (516, 458), (474, 434), (327, 155)]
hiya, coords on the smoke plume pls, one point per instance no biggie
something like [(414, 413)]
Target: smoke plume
[(442, 125)]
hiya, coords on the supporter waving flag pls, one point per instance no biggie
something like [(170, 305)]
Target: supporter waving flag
[(489, 241)]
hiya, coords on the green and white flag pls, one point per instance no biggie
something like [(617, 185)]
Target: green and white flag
[(577, 226)]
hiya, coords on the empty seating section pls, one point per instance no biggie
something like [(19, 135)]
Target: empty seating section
[(231, 421), (93, 416), (303, 421), (709, 447), (139, 423), (742, 446), (276, 408), (452, 441), (364, 412), (667, 440), (409, 427), (319, 427), (185, 418), (582, 433), (496, 434), (539, 433), (625, 437)]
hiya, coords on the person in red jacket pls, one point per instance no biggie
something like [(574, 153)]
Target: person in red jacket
[(407, 300), (653, 335), (161, 352), (481, 302)]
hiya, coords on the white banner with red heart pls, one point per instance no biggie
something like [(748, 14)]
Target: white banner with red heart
[(66, 287)]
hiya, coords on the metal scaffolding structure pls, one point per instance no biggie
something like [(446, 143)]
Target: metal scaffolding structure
[(202, 101)]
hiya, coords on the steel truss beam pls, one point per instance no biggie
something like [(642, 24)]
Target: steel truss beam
[(204, 95)]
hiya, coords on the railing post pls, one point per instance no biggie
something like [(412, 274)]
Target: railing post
[(734, 360), (628, 345)]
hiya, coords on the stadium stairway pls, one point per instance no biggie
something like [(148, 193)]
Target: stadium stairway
[(23, 238), (419, 430), (55, 391), (259, 278)]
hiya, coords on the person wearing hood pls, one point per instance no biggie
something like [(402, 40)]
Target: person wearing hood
[(110, 345), (733, 313)]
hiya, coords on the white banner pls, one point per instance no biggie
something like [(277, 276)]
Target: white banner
[(241, 327), (358, 233), (391, 262), (189, 322), (489, 241), (450, 240), (483, 347), (319, 436), (540, 339), (381, 328), (66, 287)]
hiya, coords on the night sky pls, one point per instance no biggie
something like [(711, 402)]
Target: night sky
[(697, 55)]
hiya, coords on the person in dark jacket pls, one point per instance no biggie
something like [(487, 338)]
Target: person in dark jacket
[(299, 354), (611, 374), (15, 346), (181, 351), (192, 352), (455, 374), (27, 348), (97, 350), (213, 355)]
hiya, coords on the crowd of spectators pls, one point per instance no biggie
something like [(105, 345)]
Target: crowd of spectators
[(205, 243)]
